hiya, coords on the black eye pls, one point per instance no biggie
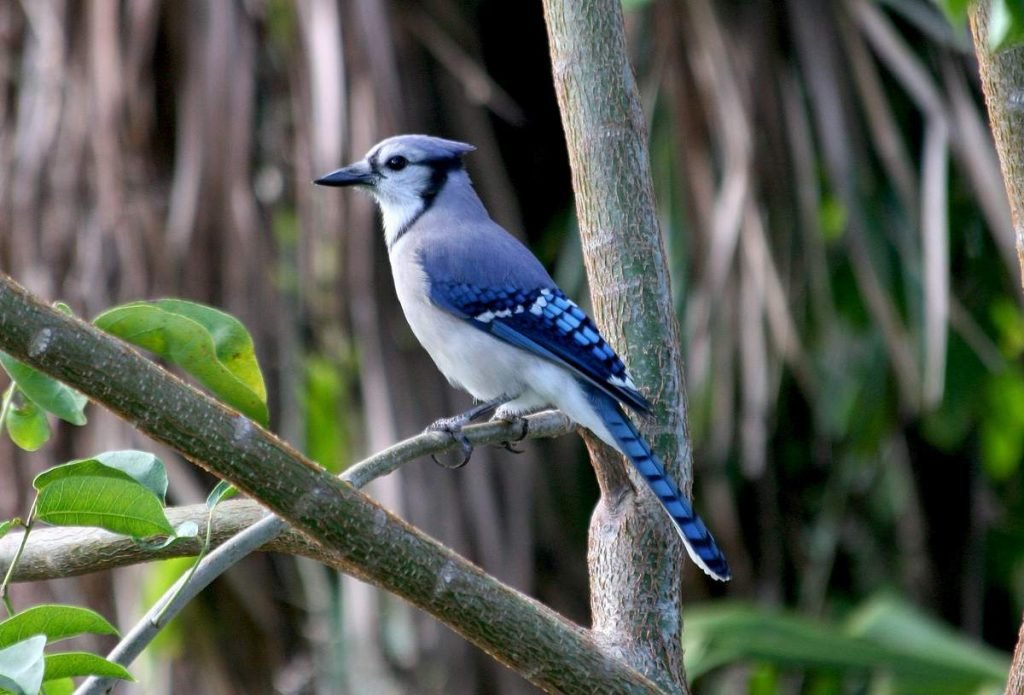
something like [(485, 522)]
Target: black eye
[(396, 163)]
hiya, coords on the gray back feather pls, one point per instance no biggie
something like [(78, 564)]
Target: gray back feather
[(457, 241)]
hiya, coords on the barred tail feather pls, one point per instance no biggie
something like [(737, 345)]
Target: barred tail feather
[(699, 543)]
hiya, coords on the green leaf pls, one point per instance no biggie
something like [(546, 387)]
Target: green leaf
[(74, 664), (108, 502), (81, 468), (889, 621), (55, 622), (5, 526), (145, 468), (141, 466), (233, 342), (59, 686), (727, 633), (223, 490), (885, 639), (27, 425), (1005, 24), (212, 346), (48, 393), (21, 666)]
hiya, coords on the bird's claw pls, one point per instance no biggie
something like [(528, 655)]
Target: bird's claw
[(453, 428), (510, 445)]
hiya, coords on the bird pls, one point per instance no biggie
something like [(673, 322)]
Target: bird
[(495, 323)]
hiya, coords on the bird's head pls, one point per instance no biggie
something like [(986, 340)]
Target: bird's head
[(404, 174)]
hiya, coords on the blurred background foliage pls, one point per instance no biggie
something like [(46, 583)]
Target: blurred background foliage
[(844, 273)]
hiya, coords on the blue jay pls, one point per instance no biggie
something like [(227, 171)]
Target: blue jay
[(494, 321)]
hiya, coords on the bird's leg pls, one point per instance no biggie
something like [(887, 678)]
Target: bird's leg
[(457, 422), (453, 427)]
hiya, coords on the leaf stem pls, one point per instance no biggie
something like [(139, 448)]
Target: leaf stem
[(4, 595)]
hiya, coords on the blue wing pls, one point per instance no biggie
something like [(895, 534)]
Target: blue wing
[(547, 323)]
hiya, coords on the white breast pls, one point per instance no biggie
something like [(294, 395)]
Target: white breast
[(469, 358)]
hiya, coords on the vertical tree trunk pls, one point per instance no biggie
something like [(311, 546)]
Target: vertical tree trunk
[(635, 558), (1002, 80)]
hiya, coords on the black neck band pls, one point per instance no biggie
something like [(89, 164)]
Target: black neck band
[(440, 169)]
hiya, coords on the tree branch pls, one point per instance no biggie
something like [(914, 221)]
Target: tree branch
[(271, 527), (363, 538), (56, 552)]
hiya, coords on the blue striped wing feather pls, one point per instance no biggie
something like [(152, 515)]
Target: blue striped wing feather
[(547, 323)]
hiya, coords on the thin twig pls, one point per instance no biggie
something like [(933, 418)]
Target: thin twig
[(5, 584), (548, 424), (60, 551)]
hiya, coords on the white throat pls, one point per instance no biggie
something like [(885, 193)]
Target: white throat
[(397, 214)]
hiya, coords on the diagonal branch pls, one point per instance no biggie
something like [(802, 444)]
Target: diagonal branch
[(251, 539), (363, 538)]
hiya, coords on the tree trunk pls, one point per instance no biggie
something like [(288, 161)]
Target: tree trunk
[(1002, 80), (635, 557)]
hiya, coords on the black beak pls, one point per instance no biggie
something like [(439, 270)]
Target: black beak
[(358, 174)]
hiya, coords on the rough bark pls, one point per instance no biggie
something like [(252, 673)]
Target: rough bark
[(635, 557), (367, 541), (1002, 81)]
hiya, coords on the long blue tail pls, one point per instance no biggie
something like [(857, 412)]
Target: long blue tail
[(700, 546)]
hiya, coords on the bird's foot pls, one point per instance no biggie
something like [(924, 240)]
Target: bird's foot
[(513, 419), (453, 427)]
